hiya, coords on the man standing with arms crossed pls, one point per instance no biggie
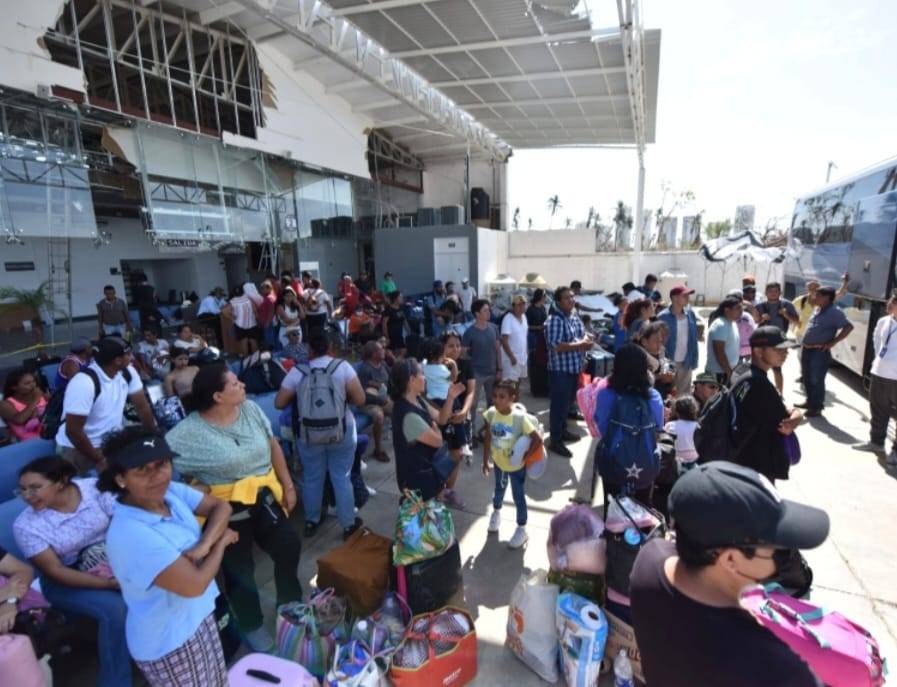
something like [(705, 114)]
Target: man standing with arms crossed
[(481, 341), (567, 344), (828, 326)]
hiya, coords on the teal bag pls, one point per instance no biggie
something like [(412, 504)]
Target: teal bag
[(424, 529)]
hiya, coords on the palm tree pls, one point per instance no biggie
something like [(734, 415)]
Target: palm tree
[(590, 217), (568, 223), (529, 223), (554, 204), (516, 220)]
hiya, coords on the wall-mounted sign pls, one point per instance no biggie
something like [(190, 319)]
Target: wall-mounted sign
[(23, 266)]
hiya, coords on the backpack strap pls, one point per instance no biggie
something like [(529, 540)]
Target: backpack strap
[(96, 382)]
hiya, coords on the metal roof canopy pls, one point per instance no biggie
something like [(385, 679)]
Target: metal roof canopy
[(445, 76)]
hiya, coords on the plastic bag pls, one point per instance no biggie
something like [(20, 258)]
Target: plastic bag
[(617, 520), (574, 540), (424, 530), (532, 631), (582, 629)]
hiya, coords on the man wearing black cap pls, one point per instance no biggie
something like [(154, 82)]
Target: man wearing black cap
[(94, 404), (763, 418), (733, 530), (828, 326)]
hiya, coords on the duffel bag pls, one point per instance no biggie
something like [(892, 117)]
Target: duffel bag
[(840, 652), (440, 648), (428, 585), (358, 570)]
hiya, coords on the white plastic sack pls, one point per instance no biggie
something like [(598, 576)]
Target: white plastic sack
[(532, 631)]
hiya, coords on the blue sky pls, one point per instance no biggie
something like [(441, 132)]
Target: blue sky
[(754, 100)]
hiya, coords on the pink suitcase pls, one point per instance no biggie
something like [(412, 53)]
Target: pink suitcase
[(263, 670)]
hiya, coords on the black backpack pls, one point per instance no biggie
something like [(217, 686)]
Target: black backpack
[(52, 417), (263, 376), (718, 424)]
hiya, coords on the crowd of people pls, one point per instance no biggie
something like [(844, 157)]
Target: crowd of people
[(111, 519)]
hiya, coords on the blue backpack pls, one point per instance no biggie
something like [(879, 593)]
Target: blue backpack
[(628, 455)]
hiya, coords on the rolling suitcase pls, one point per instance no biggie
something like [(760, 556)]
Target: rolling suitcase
[(255, 670), (428, 585)]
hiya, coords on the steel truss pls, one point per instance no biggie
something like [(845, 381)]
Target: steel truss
[(337, 39), (163, 67)]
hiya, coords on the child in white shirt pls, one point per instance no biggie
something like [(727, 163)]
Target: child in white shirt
[(682, 426), (437, 371)]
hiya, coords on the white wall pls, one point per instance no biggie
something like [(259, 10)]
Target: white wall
[(492, 255), (306, 124), (444, 181), (91, 266), (563, 255), (24, 62)]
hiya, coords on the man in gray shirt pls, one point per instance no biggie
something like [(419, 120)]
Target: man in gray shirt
[(481, 341), (828, 326), (374, 376), (112, 314)]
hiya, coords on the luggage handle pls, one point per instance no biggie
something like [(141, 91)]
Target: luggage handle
[(429, 636), (775, 610), (642, 536)]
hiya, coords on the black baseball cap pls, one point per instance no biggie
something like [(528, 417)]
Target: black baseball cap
[(771, 337), (827, 291), (110, 347), (720, 504), (141, 451)]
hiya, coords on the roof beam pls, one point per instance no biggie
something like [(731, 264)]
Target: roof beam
[(213, 14), (439, 149), (549, 120), (402, 121), (549, 101), (535, 76), (376, 105), (375, 7), (351, 85), (510, 42)]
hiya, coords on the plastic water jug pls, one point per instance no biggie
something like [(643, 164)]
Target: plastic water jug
[(623, 670)]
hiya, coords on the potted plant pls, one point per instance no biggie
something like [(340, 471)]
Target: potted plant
[(26, 305)]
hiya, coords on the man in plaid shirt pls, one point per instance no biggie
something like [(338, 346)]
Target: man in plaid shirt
[(567, 345)]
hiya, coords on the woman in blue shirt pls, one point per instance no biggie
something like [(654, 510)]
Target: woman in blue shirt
[(629, 378), (165, 567)]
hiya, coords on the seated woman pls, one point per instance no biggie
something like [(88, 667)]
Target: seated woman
[(197, 347), (165, 567), (416, 433), (81, 353), (336, 458), (62, 532), (23, 405), (179, 381), (14, 585), (227, 443), (289, 313)]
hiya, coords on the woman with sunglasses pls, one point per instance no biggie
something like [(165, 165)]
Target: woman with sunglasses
[(63, 533), (417, 434)]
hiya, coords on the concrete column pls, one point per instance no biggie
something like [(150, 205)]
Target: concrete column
[(637, 234)]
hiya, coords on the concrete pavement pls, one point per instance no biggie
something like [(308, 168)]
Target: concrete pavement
[(854, 569)]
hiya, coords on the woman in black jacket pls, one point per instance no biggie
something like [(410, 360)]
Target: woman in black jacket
[(416, 434)]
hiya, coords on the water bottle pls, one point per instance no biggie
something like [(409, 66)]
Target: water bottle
[(623, 670)]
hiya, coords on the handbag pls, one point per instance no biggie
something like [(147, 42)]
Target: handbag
[(792, 448), (424, 529), (840, 652), (440, 648), (623, 547), (308, 633), (354, 666), (358, 569)]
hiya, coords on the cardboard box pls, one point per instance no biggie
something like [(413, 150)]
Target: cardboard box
[(622, 636)]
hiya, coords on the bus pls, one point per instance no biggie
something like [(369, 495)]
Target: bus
[(848, 227)]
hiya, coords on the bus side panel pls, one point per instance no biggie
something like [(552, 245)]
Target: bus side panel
[(851, 353)]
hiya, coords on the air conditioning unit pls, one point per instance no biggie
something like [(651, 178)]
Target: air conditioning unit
[(44, 91)]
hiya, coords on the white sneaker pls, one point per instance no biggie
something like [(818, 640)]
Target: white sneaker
[(494, 521), (891, 460), (364, 466), (519, 538), (259, 640), (466, 451)]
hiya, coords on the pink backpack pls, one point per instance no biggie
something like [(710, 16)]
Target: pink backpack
[(587, 400), (840, 652)]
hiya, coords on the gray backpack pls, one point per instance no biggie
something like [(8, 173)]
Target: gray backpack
[(320, 405)]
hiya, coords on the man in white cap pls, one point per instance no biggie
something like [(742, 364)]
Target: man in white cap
[(468, 296)]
